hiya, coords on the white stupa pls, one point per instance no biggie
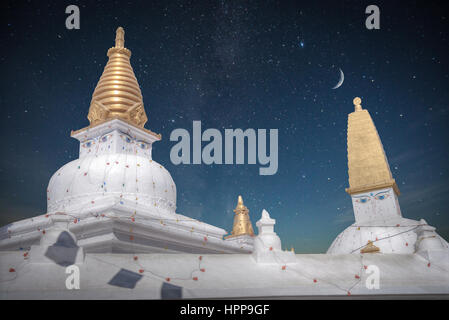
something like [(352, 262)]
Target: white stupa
[(119, 199), (112, 231), (379, 225)]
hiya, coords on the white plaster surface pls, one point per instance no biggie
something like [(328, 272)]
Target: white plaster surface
[(224, 276), (119, 200), (390, 236), (378, 218)]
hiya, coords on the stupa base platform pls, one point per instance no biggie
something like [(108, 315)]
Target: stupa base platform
[(235, 276)]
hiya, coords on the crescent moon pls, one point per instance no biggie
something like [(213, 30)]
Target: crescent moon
[(340, 82)]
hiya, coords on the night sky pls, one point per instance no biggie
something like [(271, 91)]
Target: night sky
[(237, 64)]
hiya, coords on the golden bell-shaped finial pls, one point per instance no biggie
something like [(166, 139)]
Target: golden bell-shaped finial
[(242, 223)]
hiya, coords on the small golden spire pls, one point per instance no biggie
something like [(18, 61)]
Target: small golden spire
[(242, 223), (370, 248), (240, 205), (120, 38), (357, 104)]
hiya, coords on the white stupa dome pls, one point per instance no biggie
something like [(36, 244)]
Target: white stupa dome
[(124, 176), (115, 149), (397, 235)]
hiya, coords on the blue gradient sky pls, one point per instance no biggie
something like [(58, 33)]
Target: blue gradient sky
[(233, 65)]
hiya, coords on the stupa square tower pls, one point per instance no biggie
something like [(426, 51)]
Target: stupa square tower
[(370, 177)]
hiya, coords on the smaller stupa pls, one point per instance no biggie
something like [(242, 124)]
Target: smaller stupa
[(374, 194), (242, 223)]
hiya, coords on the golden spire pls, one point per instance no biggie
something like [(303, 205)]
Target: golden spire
[(242, 223), (368, 167), (370, 248), (120, 38), (117, 94)]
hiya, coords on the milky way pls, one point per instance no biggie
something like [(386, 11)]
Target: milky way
[(237, 65)]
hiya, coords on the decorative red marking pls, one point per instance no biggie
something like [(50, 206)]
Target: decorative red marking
[(357, 277), (75, 221), (203, 270), (428, 264), (365, 267), (314, 280), (141, 270), (25, 254), (167, 279), (46, 216), (85, 173), (349, 293), (406, 244), (107, 163), (271, 248), (135, 258), (205, 239), (398, 225), (200, 257), (43, 231), (195, 278), (12, 270), (132, 219), (283, 267), (92, 201), (131, 238)]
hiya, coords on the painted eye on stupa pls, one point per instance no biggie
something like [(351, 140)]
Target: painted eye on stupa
[(363, 200), (127, 138), (105, 138), (143, 145), (87, 144), (381, 196)]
